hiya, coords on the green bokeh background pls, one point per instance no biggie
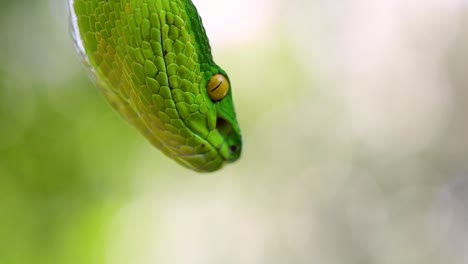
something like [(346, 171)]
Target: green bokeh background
[(355, 152)]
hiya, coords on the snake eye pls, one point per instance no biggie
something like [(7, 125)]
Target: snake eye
[(218, 87)]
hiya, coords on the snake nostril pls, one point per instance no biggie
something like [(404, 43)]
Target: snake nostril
[(233, 148)]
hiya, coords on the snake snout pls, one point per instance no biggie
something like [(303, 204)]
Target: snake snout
[(232, 146)]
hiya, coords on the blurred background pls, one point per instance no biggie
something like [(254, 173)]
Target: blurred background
[(354, 117)]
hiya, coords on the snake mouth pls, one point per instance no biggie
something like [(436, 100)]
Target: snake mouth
[(231, 146)]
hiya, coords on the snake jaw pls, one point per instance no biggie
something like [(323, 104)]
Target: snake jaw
[(226, 141)]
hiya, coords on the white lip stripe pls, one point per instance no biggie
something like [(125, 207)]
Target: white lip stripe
[(76, 32), (78, 41)]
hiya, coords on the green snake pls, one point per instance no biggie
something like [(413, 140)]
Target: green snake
[(152, 61)]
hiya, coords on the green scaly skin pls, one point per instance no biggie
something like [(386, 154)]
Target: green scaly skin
[(151, 59)]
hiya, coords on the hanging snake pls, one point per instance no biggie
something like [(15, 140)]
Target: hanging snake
[(152, 61)]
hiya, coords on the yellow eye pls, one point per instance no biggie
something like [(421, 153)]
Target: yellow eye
[(218, 87)]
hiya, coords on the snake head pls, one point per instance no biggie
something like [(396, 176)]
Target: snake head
[(152, 62)]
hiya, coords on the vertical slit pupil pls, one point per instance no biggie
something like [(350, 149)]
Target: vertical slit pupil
[(217, 86)]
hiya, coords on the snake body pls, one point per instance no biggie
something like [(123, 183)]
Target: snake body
[(152, 61)]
